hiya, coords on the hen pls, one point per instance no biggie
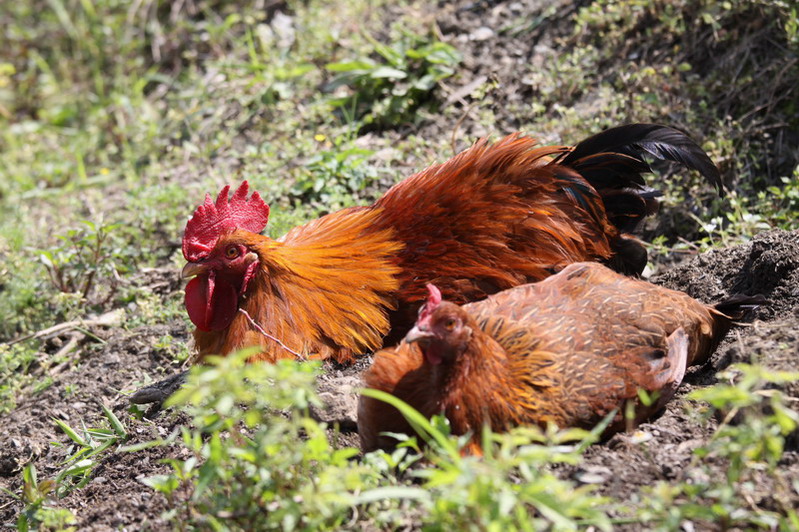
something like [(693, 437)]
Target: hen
[(495, 216), (567, 350)]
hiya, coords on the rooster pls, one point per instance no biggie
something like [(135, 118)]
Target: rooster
[(567, 350), (493, 217)]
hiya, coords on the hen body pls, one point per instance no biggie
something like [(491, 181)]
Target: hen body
[(495, 216), (567, 350)]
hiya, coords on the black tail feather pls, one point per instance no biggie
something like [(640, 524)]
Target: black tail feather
[(610, 165), (618, 152), (739, 304), (627, 208), (629, 255)]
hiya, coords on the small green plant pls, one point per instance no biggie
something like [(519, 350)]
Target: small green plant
[(258, 460), (15, 361), (343, 171), (780, 203), (152, 309), (737, 225), (22, 307), (749, 213), (391, 84), (87, 446), (749, 391), (179, 351), (510, 487), (83, 261), (38, 514)]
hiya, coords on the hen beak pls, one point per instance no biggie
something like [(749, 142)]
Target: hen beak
[(416, 335), (193, 269)]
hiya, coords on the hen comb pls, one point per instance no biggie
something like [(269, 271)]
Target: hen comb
[(212, 219), (433, 301)]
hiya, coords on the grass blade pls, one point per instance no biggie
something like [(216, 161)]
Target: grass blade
[(419, 423), (69, 431), (116, 424)]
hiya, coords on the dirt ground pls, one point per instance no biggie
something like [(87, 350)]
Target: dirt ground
[(104, 373)]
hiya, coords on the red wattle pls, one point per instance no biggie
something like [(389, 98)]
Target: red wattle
[(211, 303), (432, 355)]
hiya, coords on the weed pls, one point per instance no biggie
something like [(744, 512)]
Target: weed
[(394, 81), (38, 513), (334, 174), (179, 351), (15, 361), (148, 308), (510, 487), (88, 444), (22, 307), (737, 225), (780, 203), (258, 460), (84, 256), (750, 213), (39, 496)]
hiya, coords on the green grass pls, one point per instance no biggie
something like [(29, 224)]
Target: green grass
[(750, 441), (254, 458), (258, 460)]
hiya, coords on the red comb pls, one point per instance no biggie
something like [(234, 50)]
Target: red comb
[(433, 300), (212, 219)]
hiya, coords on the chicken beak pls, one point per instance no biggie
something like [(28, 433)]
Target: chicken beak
[(416, 335), (193, 269)]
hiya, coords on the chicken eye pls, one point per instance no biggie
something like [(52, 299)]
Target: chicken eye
[(449, 324), (232, 252)]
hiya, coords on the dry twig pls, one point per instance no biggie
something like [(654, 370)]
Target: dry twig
[(108, 319), (266, 334)]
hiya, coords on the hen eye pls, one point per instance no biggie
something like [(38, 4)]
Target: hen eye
[(232, 252), (449, 324)]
